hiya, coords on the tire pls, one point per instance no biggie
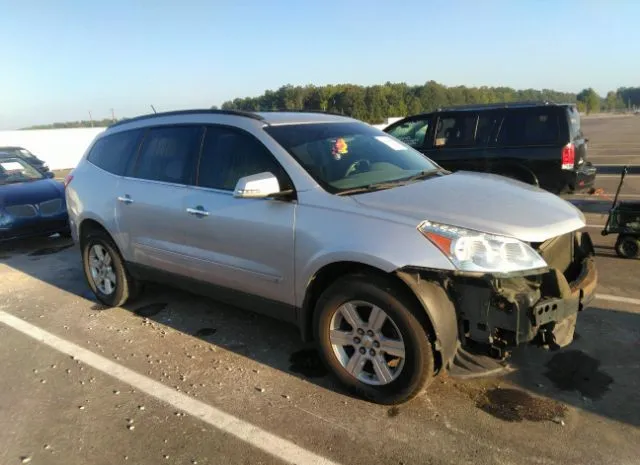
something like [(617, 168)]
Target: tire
[(126, 287), (409, 376), (628, 246)]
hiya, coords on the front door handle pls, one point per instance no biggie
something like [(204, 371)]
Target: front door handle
[(198, 211), (125, 199)]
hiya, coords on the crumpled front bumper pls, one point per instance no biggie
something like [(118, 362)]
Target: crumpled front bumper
[(499, 313)]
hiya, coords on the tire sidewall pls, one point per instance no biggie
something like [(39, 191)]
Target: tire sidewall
[(120, 294), (419, 363), (623, 241)]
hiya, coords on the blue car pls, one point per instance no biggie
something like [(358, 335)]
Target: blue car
[(31, 204)]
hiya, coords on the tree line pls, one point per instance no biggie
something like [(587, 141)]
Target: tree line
[(75, 124), (375, 103)]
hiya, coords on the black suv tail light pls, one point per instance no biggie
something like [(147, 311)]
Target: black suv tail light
[(568, 156)]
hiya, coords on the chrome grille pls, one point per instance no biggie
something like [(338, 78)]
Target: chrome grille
[(50, 207), (22, 211)]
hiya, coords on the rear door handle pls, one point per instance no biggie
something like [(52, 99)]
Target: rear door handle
[(125, 199), (198, 211)]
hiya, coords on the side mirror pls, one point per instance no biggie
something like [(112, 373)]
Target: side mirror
[(50, 175), (257, 186)]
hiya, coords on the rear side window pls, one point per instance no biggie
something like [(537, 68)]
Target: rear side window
[(412, 132), (530, 127), (229, 154), (168, 154), (113, 152), (456, 131), (487, 124)]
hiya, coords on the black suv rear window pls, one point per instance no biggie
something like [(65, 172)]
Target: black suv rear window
[(530, 127), (113, 152)]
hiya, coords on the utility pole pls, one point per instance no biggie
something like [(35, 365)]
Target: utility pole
[(91, 118), (113, 116)]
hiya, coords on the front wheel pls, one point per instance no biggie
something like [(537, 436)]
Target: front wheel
[(370, 337), (628, 246)]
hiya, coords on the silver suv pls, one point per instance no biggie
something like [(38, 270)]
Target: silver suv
[(397, 268)]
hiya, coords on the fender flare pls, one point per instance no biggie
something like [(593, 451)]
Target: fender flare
[(440, 311)]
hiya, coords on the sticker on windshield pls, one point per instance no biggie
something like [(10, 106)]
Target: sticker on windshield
[(388, 141), (340, 148), (12, 166)]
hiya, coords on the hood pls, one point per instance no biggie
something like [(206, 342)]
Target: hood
[(31, 192), (483, 202)]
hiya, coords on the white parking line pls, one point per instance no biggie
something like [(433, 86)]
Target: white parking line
[(257, 437), (615, 298)]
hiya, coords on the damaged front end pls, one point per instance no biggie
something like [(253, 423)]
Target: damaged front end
[(496, 313), (499, 313)]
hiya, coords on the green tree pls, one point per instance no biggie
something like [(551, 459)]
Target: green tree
[(613, 101), (590, 99)]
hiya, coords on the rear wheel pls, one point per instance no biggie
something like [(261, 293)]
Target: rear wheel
[(105, 271), (628, 246), (370, 337)]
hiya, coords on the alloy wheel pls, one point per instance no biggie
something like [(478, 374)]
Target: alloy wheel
[(101, 268), (367, 343)]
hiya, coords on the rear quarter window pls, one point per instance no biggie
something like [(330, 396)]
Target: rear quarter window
[(530, 128), (113, 152)]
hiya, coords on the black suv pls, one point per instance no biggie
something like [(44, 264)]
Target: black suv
[(27, 156), (539, 143)]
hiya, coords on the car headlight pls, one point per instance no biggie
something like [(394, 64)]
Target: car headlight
[(471, 250)]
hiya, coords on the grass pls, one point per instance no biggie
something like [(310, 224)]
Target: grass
[(60, 174)]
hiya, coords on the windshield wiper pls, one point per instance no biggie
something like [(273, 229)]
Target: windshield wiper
[(368, 188), (395, 183), (426, 174)]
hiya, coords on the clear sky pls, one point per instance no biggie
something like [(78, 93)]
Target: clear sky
[(62, 58)]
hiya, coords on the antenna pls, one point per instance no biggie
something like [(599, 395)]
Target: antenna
[(154, 109)]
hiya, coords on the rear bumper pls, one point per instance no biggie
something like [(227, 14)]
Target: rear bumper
[(35, 227), (583, 178)]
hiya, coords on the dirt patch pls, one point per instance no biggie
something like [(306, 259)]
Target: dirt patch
[(515, 405), (150, 309), (574, 370), (307, 362), (393, 412), (99, 307)]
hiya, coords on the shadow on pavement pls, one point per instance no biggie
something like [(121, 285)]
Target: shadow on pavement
[(599, 372)]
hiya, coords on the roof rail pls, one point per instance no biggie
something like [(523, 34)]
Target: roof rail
[(485, 106), (305, 111), (203, 111)]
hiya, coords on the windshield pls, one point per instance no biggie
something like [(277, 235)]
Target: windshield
[(13, 170), (346, 156), (26, 153)]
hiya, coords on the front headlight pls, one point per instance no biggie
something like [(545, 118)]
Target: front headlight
[(475, 251)]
